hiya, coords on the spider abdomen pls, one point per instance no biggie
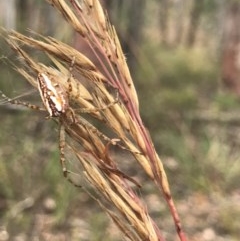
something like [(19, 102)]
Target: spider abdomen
[(53, 96)]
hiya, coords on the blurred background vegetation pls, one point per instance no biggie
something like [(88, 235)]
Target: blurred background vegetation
[(184, 57)]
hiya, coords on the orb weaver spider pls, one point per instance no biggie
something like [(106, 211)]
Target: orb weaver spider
[(56, 102)]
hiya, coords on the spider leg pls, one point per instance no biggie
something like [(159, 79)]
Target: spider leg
[(95, 109), (116, 100), (70, 76), (62, 143), (88, 126), (22, 103)]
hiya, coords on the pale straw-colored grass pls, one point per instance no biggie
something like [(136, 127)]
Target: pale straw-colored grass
[(92, 88)]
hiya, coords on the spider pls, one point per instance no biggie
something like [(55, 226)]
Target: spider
[(56, 101)]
